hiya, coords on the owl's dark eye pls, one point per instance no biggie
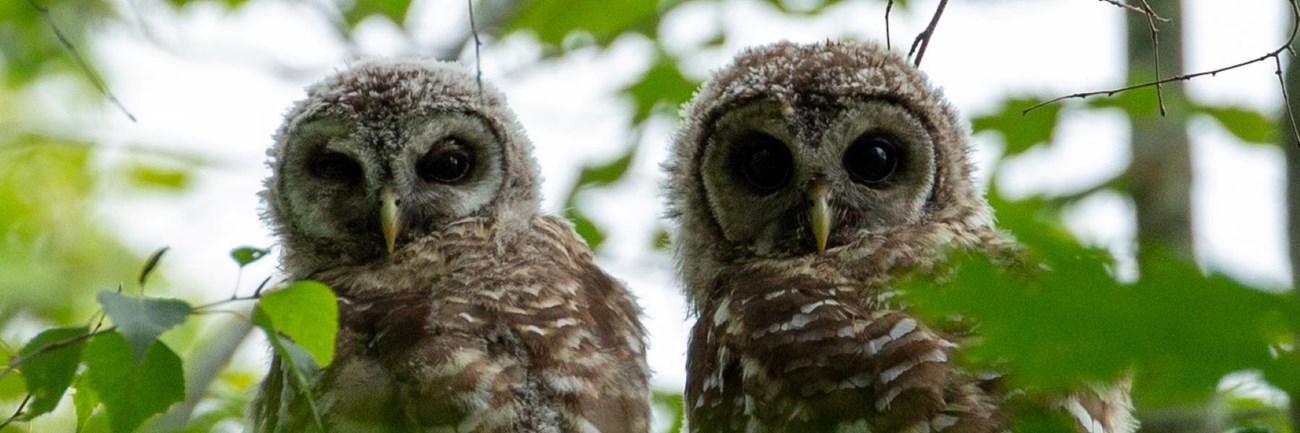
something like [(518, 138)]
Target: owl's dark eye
[(446, 164), (871, 159), (763, 162), (334, 166)]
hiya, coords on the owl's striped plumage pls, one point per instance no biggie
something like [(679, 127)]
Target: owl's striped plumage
[(462, 308), (806, 178)]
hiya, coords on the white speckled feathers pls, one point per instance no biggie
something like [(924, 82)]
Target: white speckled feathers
[(462, 308)]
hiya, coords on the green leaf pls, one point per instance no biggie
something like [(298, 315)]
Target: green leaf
[(599, 175), (142, 320), (585, 228), (12, 385), (393, 9), (1178, 330), (662, 86), (151, 264), (132, 391), (662, 240), (300, 364), (51, 360), (85, 400), (1248, 125), (605, 20), (672, 404), (1020, 131), (246, 255), (153, 176), (307, 312), (1138, 103)]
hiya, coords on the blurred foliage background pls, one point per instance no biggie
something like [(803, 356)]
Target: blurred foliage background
[(1208, 353)]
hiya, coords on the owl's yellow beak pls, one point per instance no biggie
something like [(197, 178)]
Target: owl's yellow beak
[(820, 215), (389, 220)]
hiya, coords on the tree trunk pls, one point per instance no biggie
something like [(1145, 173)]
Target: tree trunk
[(1292, 151), (1161, 170), (1160, 173)]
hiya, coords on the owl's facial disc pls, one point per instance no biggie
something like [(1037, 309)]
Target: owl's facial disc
[(780, 184)]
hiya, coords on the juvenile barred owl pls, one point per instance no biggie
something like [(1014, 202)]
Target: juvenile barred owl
[(804, 178), (462, 308)]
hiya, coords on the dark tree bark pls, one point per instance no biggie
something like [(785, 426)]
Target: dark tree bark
[(1161, 170), (1160, 173), (1292, 151)]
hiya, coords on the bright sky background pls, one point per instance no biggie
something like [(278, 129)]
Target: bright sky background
[(214, 83)]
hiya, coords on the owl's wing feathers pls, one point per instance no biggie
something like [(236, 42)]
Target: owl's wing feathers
[(797, 344), (533, 339)]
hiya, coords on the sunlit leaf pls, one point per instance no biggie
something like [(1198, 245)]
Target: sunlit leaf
[(154, 176), (307, 312), (11, 385), (393, 9), (552, 20), (85, 400), (50, 364), (1020, 131), (142, 320), (246, 255), (672, 404), (132, 391), (1248, 125)]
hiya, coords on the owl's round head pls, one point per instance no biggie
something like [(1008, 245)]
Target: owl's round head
[(797, 149), (387, 151)]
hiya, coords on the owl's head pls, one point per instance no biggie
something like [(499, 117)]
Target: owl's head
[(796, 149), (387, 151)]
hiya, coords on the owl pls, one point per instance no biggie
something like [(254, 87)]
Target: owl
[(804, 178), (412, 192)]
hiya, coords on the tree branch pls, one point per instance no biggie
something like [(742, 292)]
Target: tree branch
[(923, 40), (1286, 47), (76, 55), (889, 43), (1144, 11), (17, 412)]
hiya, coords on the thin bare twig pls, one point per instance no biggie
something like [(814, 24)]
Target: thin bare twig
[(76, 55), (17, 412), (889, 43), (1136, 9), (1286, 47), (1155, 49), (923, 40), (478, 57)]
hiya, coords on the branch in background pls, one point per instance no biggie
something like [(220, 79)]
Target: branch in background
[(478, 57), (1286, 47), (923, 40), (85, 67), (1155, 49), (889, 43), (17, 412), (1144, 11)]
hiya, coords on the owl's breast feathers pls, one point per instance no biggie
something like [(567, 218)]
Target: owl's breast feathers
[(802, 348), (459, 331)]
